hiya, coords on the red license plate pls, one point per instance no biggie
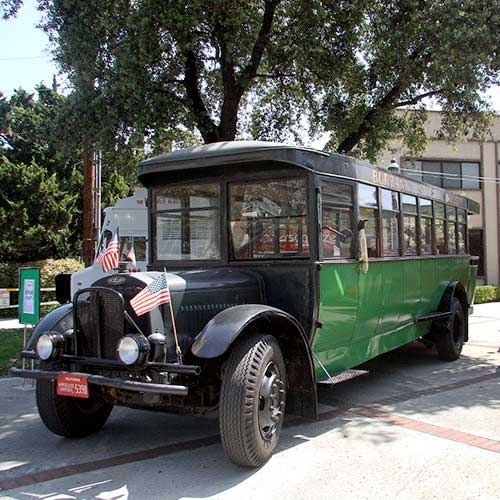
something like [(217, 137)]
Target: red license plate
[(72, 385)]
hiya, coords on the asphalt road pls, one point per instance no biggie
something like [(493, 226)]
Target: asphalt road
[(412, 427)]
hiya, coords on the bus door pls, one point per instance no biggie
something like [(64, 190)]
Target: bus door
[(338, 277)]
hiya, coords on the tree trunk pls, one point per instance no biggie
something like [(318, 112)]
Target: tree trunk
[(88, 204)]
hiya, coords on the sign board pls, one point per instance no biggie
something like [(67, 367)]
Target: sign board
[(4, 297), (29, 295)]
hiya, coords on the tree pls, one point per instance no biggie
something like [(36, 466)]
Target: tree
[(35, 213), (408, 52), (45, 131), (265, 67)]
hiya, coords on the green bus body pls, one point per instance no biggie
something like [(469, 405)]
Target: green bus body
[(364, 315)]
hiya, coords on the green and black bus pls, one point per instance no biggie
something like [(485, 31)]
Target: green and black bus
[(286, 267)]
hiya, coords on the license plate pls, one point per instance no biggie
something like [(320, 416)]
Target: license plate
[(75, 386)]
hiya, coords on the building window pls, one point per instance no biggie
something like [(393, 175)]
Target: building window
[(445, 174), (476, 246)]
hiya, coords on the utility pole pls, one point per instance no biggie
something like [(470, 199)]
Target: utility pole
[(88, 203)]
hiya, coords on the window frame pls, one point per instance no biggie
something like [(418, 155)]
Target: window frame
[(354, 216), (230, 259), (220, 209), (417, 173)]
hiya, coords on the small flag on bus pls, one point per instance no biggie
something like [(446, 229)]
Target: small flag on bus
[(153, 295), (111, 256), (131, 256), (100, 254)]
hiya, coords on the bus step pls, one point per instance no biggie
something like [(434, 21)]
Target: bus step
[(344, 376)]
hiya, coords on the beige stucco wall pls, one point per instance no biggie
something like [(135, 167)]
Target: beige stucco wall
[(486, 153)]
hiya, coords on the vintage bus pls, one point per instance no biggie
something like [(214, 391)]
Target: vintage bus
[(286, 266)]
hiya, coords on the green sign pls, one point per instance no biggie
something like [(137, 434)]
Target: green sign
[(29, 295)]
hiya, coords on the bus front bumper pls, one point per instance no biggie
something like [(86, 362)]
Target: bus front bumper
[(117, 383)]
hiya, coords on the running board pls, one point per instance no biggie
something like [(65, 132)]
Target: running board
[(433, 317), (344, 376)]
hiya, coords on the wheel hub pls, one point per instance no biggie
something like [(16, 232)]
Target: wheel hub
[(271, 401)]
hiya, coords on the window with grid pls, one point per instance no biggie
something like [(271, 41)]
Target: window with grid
[(426, 221), (409, 204), (445, 174)]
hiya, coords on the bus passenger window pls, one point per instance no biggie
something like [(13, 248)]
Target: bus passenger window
[(337, 220), (369, 212), (462, 231), (390, 223), (440, 228), (409, 224), (425, 226), (451, 215)]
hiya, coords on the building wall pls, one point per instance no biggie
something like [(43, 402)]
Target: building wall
[(487, 155)]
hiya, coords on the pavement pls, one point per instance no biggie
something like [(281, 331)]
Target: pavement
[(412, 427), (11, 324)]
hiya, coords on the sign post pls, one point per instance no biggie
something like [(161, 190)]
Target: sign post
[(29, 298)]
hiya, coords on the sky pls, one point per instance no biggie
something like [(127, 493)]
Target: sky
[(25, 58)]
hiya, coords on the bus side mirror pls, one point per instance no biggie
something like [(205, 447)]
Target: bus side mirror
[(363, 246)]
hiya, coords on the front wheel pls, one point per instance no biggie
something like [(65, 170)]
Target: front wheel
[(71, 417), (252, 401)]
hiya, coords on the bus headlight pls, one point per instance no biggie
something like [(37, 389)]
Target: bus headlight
[(49, 345), (133, 349)]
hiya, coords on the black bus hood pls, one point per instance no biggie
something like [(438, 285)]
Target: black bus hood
[(197, 296)]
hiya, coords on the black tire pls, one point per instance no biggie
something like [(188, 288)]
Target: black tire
[(71, 417), (450, 341), (252, 400)]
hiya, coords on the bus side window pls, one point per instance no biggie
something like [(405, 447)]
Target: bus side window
[(425, 210), (409, 224), (439, 219), (337, 220), (368, 211)]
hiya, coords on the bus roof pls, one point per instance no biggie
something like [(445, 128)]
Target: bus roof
[(319, 162)]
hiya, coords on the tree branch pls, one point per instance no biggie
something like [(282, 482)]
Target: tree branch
[(417, 98), (195, 101), (249, 72)]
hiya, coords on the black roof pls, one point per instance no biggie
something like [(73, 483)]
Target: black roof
[(335, 165)]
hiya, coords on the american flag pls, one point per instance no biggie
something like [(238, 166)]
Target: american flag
[(131, 256), (111, 256), (153, 295), (100, 255)]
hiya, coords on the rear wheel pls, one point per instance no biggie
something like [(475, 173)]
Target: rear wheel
[(450, 342), (71, 417), (252, 401)]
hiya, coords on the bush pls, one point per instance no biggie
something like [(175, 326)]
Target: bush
[(9, 276), (9, 271), (487, 293)]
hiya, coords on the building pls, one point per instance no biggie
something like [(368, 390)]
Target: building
[(471, 168)]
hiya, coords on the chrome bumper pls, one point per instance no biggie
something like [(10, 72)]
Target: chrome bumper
[(117, 383)]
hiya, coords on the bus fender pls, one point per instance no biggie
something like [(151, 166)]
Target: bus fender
[(458, 290), (58, 320), (226, 327)]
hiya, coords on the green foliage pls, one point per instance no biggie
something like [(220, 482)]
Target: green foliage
[(11, 345), (487, 293), (49, 269), (146, 70), (35, 212)]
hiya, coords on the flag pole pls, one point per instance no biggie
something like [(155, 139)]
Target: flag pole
[(177, 347)]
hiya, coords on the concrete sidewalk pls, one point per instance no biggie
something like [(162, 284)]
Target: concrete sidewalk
[(9, 324)]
